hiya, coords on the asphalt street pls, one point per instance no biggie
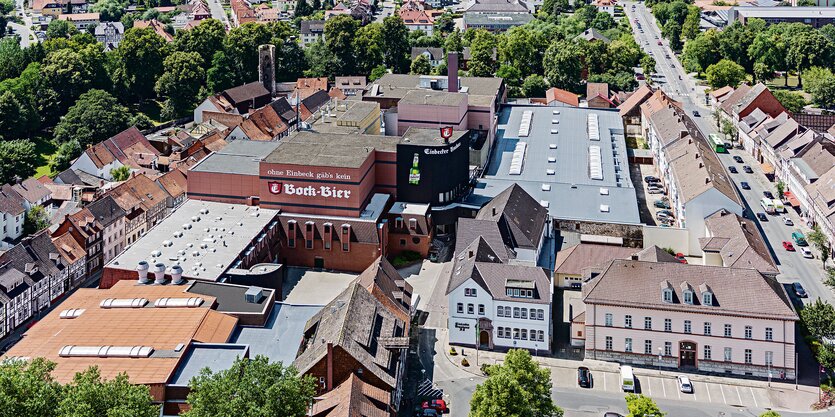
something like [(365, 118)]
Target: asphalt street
[(24, 30), (218, 13)]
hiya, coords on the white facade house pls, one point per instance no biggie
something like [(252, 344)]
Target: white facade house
[(98, 161), (12, 213), (712, 319)]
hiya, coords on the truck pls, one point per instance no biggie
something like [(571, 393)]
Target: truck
[(627, 378), (778, 205), (768, 205)]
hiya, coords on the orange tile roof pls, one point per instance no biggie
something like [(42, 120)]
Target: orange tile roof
[(161, 328), (156, 26), (563, 96)]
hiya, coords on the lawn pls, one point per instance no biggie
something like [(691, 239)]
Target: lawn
[(635, 142), (780, 82), (150, 108), (46, 149)]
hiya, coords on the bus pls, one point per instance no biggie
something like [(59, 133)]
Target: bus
[(716, 143)]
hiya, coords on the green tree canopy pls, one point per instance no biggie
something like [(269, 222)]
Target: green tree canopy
[(91, 396), (793, 102), (517, 387), (420, 65), (642, 406), (725, 73), (180, 83), (66, 153), (35, 220), (140, 55), (18, 159), (340, 32), (205, 39), (482, 48), (58, 28), (562, 66), (534, 86), (396, 49), (819, 319), (109, 10), (250, 388), (96, 116)]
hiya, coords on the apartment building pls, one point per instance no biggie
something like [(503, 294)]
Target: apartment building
[(111, 217)]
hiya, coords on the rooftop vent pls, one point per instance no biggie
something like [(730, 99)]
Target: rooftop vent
[(554, 131), (142, 268), (183, 302), (71, 313), (544, 203), (546, 187), (177, 274), (106, 351), (604, 208), (555, 112), (159, 273), (254, 295), (552, 159), (593, 129), (552, 146), (550, 172), (604, 191), (123, 303)]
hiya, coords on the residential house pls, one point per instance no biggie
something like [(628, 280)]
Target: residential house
[(312, 31), (175, 184), (822, 195), (74, 258), (352, 394), (54, 8), (496, 22), (597, 96), (33, 192), (81, 21), (435, 56), (13, 209), (156, 26), (630, 109), (804, 169), (418, 20), (733, 241), (351, 85), (558, 97), (574, 263), (127, 148), (605, 6), (144, 202), (523, 222), (236, 101), (110, 34), (87, 231), (594, 35), (263, 124), (242, 12), (731, 321), (111, 217)]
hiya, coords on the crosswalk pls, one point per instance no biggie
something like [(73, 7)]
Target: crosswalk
[(427, 390)]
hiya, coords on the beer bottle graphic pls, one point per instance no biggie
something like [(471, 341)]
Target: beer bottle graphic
[(414, 172)]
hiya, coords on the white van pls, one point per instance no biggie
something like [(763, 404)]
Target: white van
[(627, 378), (778, 206), (768, 205)]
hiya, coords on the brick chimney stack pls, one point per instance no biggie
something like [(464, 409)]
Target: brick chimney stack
[(452, 72)]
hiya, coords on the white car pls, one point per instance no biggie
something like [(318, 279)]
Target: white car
[(787, 221), (806, 252), (684, 384)]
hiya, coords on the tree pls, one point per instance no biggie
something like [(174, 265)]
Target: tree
[(819, 319), (701, 52), (66, 74), (302, 9), (453, 42), (642, 406), (60, 29), (67, 152), (395, 44), (517, 387), (13, 59), (90, 396), (109, 10), (250, 388), (205, 39), (729, 129), (121, 173), (27, 388), (18, 159), (482, 62), (821, 243), (690, 27), (809, 49), (770, 413), (562, 66), (316, 5), (603, 21), (377, 73), (824, 94), (96, 116), (368, 47), (340, 32), (648, 65), (420, 65), (140, 54), (321, 62), (17, 117), (290, 62), (724, 73), (672, 31), (780, 187), (793, 102), (511, 75), (180, 83), (35, 220), (534, 86)]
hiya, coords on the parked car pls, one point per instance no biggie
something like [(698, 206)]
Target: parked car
[(684, 384), (667, 212), (738, 159), (696, 112), (663, 217), (649, 178), (762, 217), (806, 252), (767, 194), (747, 169), (437, 405), (680, 257), (744, 185), (799, 239), (428, 413), (653, 190), (787, 221), (583, 377), (611, 414), (788, 246), (798, 290), (661, 204)]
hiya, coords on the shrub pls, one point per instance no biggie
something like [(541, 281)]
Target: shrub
[(465, 362)]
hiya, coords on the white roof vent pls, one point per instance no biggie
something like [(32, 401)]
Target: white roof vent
[(544, 203), (204, 211), (167, 243), (546, 187), (155, 253), (123, 303), (604, 191), (595, 163), (71, 313), (184, 302), (550, 172), (554, 131), (604, 208), (555, 112), (552, 159), (555, 121), (106, 351), (186, 226), (552, 146)]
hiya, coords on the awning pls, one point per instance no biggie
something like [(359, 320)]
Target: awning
[(767, 168), (793, 201)]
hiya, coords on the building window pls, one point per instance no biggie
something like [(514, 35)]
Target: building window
[(688, 297), (668, 348), (516, 333), (499, 311), (515, 312), (291, 234), (541, 335), (647, 323), (769, 334), (608, 342), (769, 358), (627, 345), (748, 355), (749, 332), (460, 307), (398, 223), (707, 298), (648, 347), (668, 325), (470, 308), (346, 237), (608, 319), (728, 354), (524, 334), (308, 235), (707, 352), (627, 321), (328, 236), (412, 224), (507, 312), (481, 309), (501, 333), (727, 330), (688, 328), (707, 328), (469, 292), (540, 314), (667, 295)]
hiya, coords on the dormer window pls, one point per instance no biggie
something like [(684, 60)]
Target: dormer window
[(688, 297), (667, 295), (707, 298)]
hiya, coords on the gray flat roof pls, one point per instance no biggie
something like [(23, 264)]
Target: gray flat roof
[(329, 149), (281, 336), (498, 18), (238, 157), (560, 162), (786, 12), (230, 298), (227, 230), (215, 357), (423, 136)]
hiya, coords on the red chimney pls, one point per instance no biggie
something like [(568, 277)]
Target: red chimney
[(452, 72), (329, 378)]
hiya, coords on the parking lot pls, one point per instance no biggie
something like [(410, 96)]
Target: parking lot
[(646, 201), (659, 387)]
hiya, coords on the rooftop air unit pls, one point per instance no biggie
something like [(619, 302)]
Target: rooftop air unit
[(254, 295), (159, 273)]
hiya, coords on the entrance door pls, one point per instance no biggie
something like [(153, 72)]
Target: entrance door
[(687, 355), (319, 263), (484, 338)]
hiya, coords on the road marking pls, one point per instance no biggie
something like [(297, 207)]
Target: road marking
[(649, 387), (754, 397), (707, 389), (664, 388), (739, 395), (724, 400), (604, 382)]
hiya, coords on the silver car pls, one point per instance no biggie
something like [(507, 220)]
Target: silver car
[(684, 384)]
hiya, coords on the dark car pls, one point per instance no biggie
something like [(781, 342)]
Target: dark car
[(768, 195), (738, 159), (732, 169), (583, 377), (696, 113), (661, 204), (798, 290), (437, 405), (650, 178), (762, 217), (747, 169), (744, 185)]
